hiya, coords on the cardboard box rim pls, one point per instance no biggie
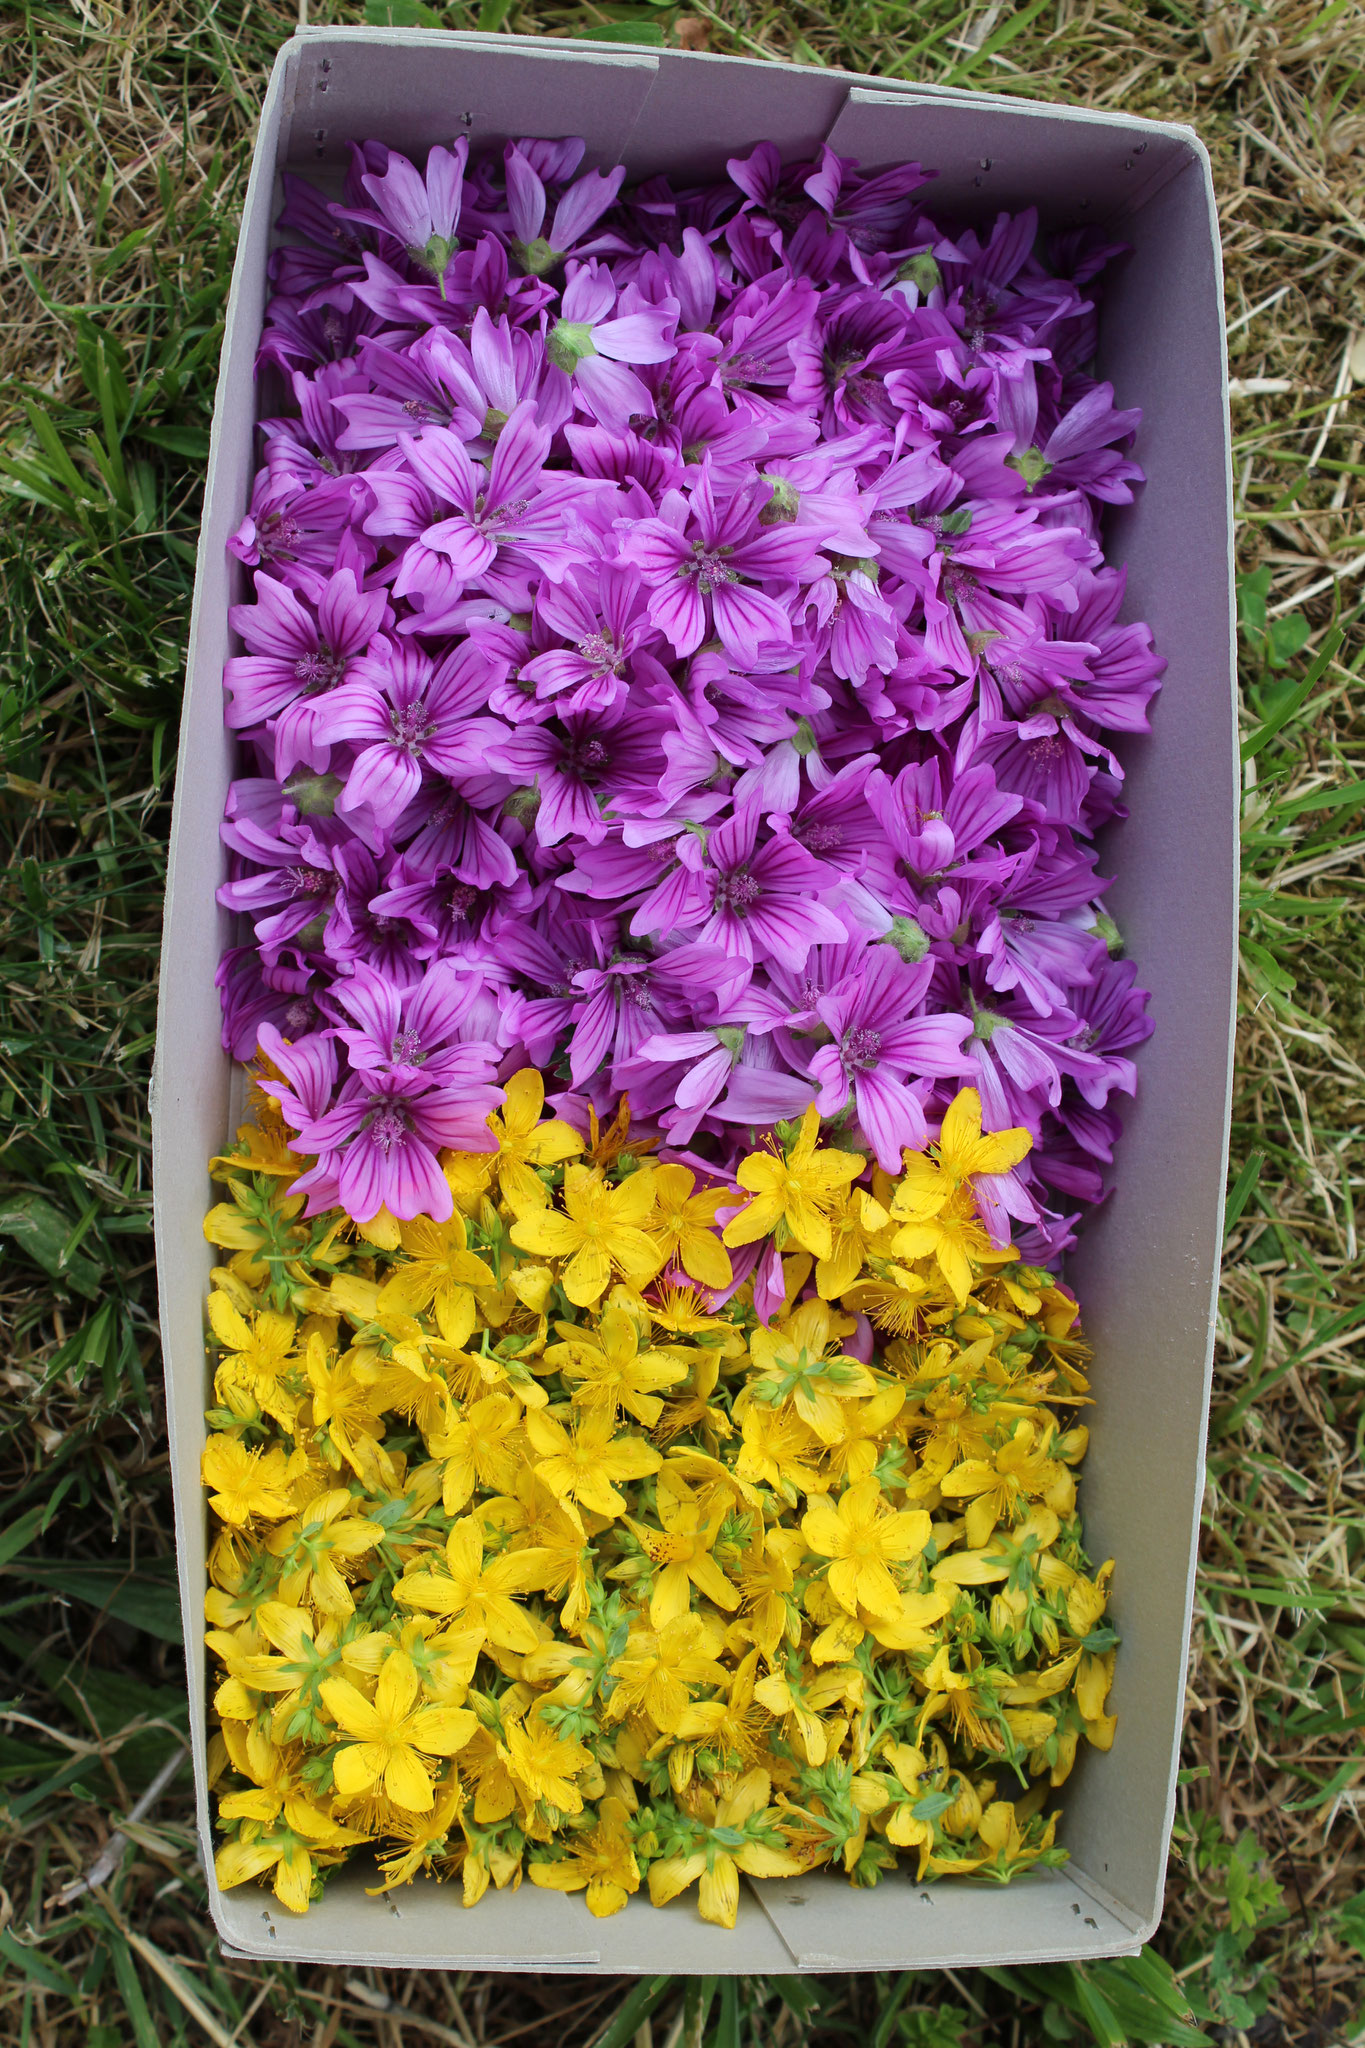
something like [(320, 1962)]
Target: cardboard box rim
[(1178, 852)]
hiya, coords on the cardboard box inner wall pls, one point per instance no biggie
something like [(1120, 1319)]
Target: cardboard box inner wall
[(1146, 1268)]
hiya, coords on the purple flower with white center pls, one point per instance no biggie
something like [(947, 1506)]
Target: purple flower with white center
[(296, 653), (410, 1032), (701, 562), (881, 1050), (1039, 938), (421, 213), (1021, 1059), (412, 715), (771, 535), (509, 517), (593, 343), (1112, 1015), (292, 524), (934, 822)]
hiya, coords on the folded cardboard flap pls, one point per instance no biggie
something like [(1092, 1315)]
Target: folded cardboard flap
[(1146, 1269)]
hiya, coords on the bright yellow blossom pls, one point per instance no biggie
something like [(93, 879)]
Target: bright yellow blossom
[(481, 1593), (861, 1540), (684, 1226), (245, 1483), (579, 1464), (792, 1196), (524, 1142), (394, 1736), (681, 1551), (609, 1371), (440, 1273), (744, 1837), (480, 1448), (601, 1230), (602, 1863), (258, 1352)]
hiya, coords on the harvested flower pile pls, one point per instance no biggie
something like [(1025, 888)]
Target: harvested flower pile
[(675, 716)]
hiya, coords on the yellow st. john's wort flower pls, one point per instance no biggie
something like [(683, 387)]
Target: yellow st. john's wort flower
[(601, 1863), (860, 1539), (799, 1362), (293, 1849), (609, 1371), (440, 1274), (856, 1222), (257, 1353), (245, 1484), (681, 1550), (482, 1593), (314, 1548), (656, 1670), (927, 1182), (480, 1448), (394, 1736), (524, 1142), (791, 1195), (601, 1231), (743, 1836), (579, 1463), (684, 1226)]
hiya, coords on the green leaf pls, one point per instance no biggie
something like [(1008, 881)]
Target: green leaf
[(1252, 593), (725, 2033), (1284, 638), (1266, 969), (623, 32), (636, 2006), (400, 14), (35, 1965), (1239, 1194), (1295, 699), (193, 441), (20, 1534), (41, 1232), (148, 1599)]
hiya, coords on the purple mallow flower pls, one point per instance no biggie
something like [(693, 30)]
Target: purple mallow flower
[(679, 654)]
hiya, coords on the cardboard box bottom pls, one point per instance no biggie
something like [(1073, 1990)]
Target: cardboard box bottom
[(815, 1923)]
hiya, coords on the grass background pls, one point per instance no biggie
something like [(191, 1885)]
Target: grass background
[(124, 130)]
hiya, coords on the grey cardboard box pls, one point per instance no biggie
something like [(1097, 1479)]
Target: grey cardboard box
[(1147, 1268)]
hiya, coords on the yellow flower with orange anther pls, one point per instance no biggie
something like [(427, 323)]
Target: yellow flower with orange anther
[(245, 1484), (481, 1593), (580, 1462), (481, 1447), (861, 1538), (525, 1142), (743, 1835), (258, 1351), (608, 1370), (792, 1194), (439, 1273), (684, 1226), (658, 1668), (800, 1362), (935, 1201), (600, 1232), (680, 1551), (394, 1737), (600, 1863)]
